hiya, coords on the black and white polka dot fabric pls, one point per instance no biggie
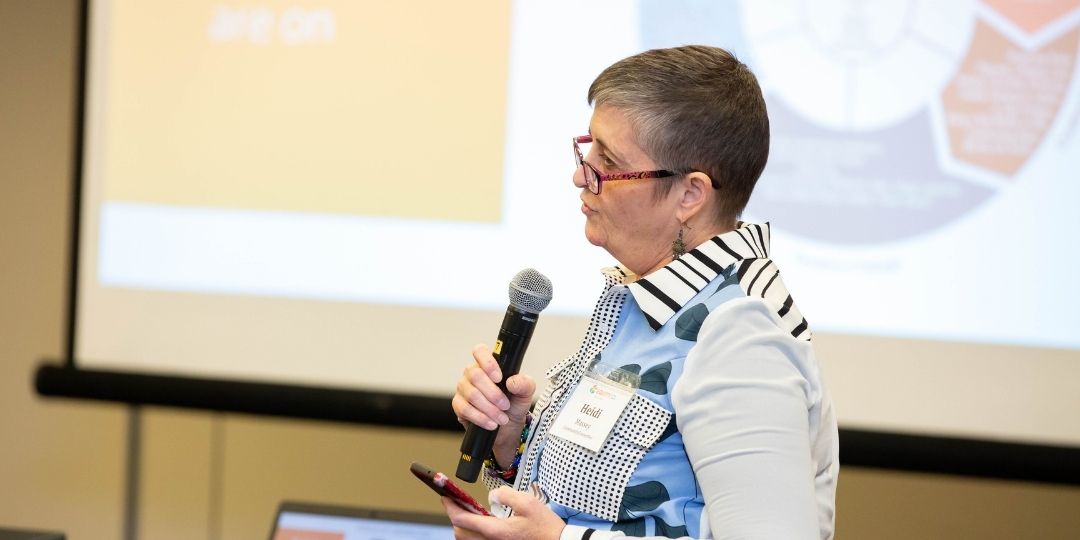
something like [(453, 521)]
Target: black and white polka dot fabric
[(569, 371), (595, 482), (565, 374)]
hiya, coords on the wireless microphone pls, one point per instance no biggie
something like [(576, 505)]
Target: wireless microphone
[(530, 293)]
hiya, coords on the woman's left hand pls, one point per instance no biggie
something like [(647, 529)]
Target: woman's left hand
[(531, 519)]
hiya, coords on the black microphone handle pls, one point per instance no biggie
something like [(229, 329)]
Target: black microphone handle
[(509, 350)]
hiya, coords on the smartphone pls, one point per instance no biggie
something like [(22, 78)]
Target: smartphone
[(447, 488)]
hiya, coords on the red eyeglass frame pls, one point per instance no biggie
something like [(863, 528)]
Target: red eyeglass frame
[(594, 179)]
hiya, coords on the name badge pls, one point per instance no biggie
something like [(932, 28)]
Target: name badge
[(593, 408)]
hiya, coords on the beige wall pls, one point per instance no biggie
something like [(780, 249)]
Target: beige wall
[(220, 476)]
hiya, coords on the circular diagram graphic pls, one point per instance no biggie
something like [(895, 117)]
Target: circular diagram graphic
[(855, 65), (892, 118)]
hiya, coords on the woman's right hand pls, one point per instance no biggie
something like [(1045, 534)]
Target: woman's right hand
[(478, 400)]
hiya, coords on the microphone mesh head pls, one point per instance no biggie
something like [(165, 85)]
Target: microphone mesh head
[(530, 291)]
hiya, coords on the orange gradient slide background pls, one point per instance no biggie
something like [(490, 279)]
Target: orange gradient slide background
[(313, 106)]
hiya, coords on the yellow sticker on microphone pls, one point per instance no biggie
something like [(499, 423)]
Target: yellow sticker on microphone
[(498, 346)]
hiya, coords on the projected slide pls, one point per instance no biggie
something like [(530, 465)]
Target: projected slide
[(332, 150)]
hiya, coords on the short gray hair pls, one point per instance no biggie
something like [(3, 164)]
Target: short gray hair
[(693, 108)]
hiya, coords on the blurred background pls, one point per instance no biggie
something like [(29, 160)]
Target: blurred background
[(65, 465)]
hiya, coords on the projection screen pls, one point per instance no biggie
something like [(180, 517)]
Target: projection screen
[(336, 193)]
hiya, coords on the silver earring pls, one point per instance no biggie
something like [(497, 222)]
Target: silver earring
[(678, 247)]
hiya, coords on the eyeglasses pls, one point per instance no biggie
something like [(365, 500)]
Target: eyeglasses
[(594, 179)]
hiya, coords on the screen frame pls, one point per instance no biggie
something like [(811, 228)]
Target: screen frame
[(64, 378)]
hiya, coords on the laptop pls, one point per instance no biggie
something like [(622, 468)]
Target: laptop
[(21, 534), (309, 521)]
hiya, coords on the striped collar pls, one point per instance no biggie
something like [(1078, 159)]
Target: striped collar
[(664, 292)]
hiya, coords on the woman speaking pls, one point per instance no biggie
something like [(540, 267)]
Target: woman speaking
[(694, 406)]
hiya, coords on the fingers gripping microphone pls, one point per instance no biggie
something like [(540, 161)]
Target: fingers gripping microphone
[(530, 293)]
